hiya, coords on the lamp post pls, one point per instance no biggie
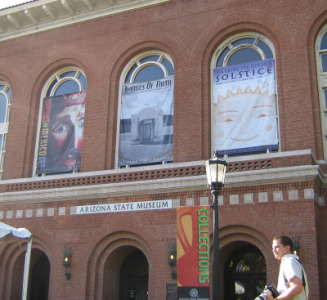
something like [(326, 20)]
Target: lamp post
[(216, 171)]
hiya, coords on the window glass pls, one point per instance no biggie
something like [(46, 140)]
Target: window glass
[(146, 111), (324, 62), (244, 98), (3, 107), (61, 124), (321, 63), (83, 80), (67, 87), (149, 58), (1, 151), (323, 44), (222, 57), (51, 87), (266, 49), (169, 66), (68, 74), (149, 73), (243, 41), (130, 73), (5, 103), (243, 56)]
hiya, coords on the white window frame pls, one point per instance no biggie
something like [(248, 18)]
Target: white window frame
[(322, 86), (44, 93), (4, 126), (137, 61), (233, 49)]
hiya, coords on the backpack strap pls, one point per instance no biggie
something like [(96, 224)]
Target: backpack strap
[(303, 277)]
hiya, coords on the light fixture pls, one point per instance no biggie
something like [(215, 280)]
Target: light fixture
[(67, 261), (296, 244), (172, 258), (216, 172)]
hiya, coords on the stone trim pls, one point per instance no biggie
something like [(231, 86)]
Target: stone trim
[(158, 186), (235, 199), (41, 15)]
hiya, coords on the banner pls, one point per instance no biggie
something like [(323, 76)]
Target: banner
[(61, 134), (244, 108), (146, 122), (193, 252)]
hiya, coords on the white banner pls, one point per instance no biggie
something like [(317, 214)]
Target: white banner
[(124, 207), (244, 108), (146, 122)]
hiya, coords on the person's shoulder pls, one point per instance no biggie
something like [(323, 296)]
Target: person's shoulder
[(291, 259)]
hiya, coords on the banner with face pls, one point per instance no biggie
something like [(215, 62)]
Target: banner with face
[(244, 108), (61, 134)]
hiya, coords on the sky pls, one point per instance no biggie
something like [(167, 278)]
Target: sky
[(7, 3)]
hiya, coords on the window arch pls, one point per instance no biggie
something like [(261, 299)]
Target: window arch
[(61, 122), (5, 104), (321, 60), (245, 273), (145, 128), (244, 98)]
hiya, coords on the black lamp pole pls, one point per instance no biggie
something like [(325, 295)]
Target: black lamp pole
[(216, 264), (216, 171)]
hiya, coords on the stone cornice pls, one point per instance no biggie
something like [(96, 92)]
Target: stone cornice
[(158, 186), (36, 16)]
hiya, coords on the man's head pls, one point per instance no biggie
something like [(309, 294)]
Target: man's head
[(282, 245)]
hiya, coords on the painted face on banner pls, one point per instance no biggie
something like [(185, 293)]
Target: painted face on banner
[(245, 120), (66, 133)]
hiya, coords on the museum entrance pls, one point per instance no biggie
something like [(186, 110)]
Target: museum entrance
[(245, 274), (40, 276), (134, 277)]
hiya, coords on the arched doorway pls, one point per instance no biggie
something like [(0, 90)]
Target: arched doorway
[(38, 287), (40, 274), (134, 277), (245, 274)]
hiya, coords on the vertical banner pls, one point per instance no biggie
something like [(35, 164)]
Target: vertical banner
[(146, 122), (61, 134), (193, 252), (244, 108)]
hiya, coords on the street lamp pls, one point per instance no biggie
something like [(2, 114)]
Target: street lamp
[(216, 171)]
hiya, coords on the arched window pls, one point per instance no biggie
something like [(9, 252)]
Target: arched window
[(146, 111), (5, 103), (244, 98), (245, 274), (321, 59), (61, 122)]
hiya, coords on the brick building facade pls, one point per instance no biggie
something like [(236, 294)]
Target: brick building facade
[(123, 254)]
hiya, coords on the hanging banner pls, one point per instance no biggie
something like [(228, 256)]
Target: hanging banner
[(61, 134), (193, 252), (146, 122), (244, 108)]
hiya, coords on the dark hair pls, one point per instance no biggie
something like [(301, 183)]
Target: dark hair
[(285, 241)]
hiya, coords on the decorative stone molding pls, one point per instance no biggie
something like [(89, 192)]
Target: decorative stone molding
[(278, 196), (36, 16), (234, 199)]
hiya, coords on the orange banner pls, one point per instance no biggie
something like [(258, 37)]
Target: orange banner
[(193, 246)]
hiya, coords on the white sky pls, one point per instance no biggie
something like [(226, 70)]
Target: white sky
[(7, 3)]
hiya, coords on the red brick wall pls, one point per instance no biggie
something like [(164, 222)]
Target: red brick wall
[(190, 32)]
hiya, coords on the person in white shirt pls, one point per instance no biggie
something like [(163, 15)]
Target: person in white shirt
[(292, 279)]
